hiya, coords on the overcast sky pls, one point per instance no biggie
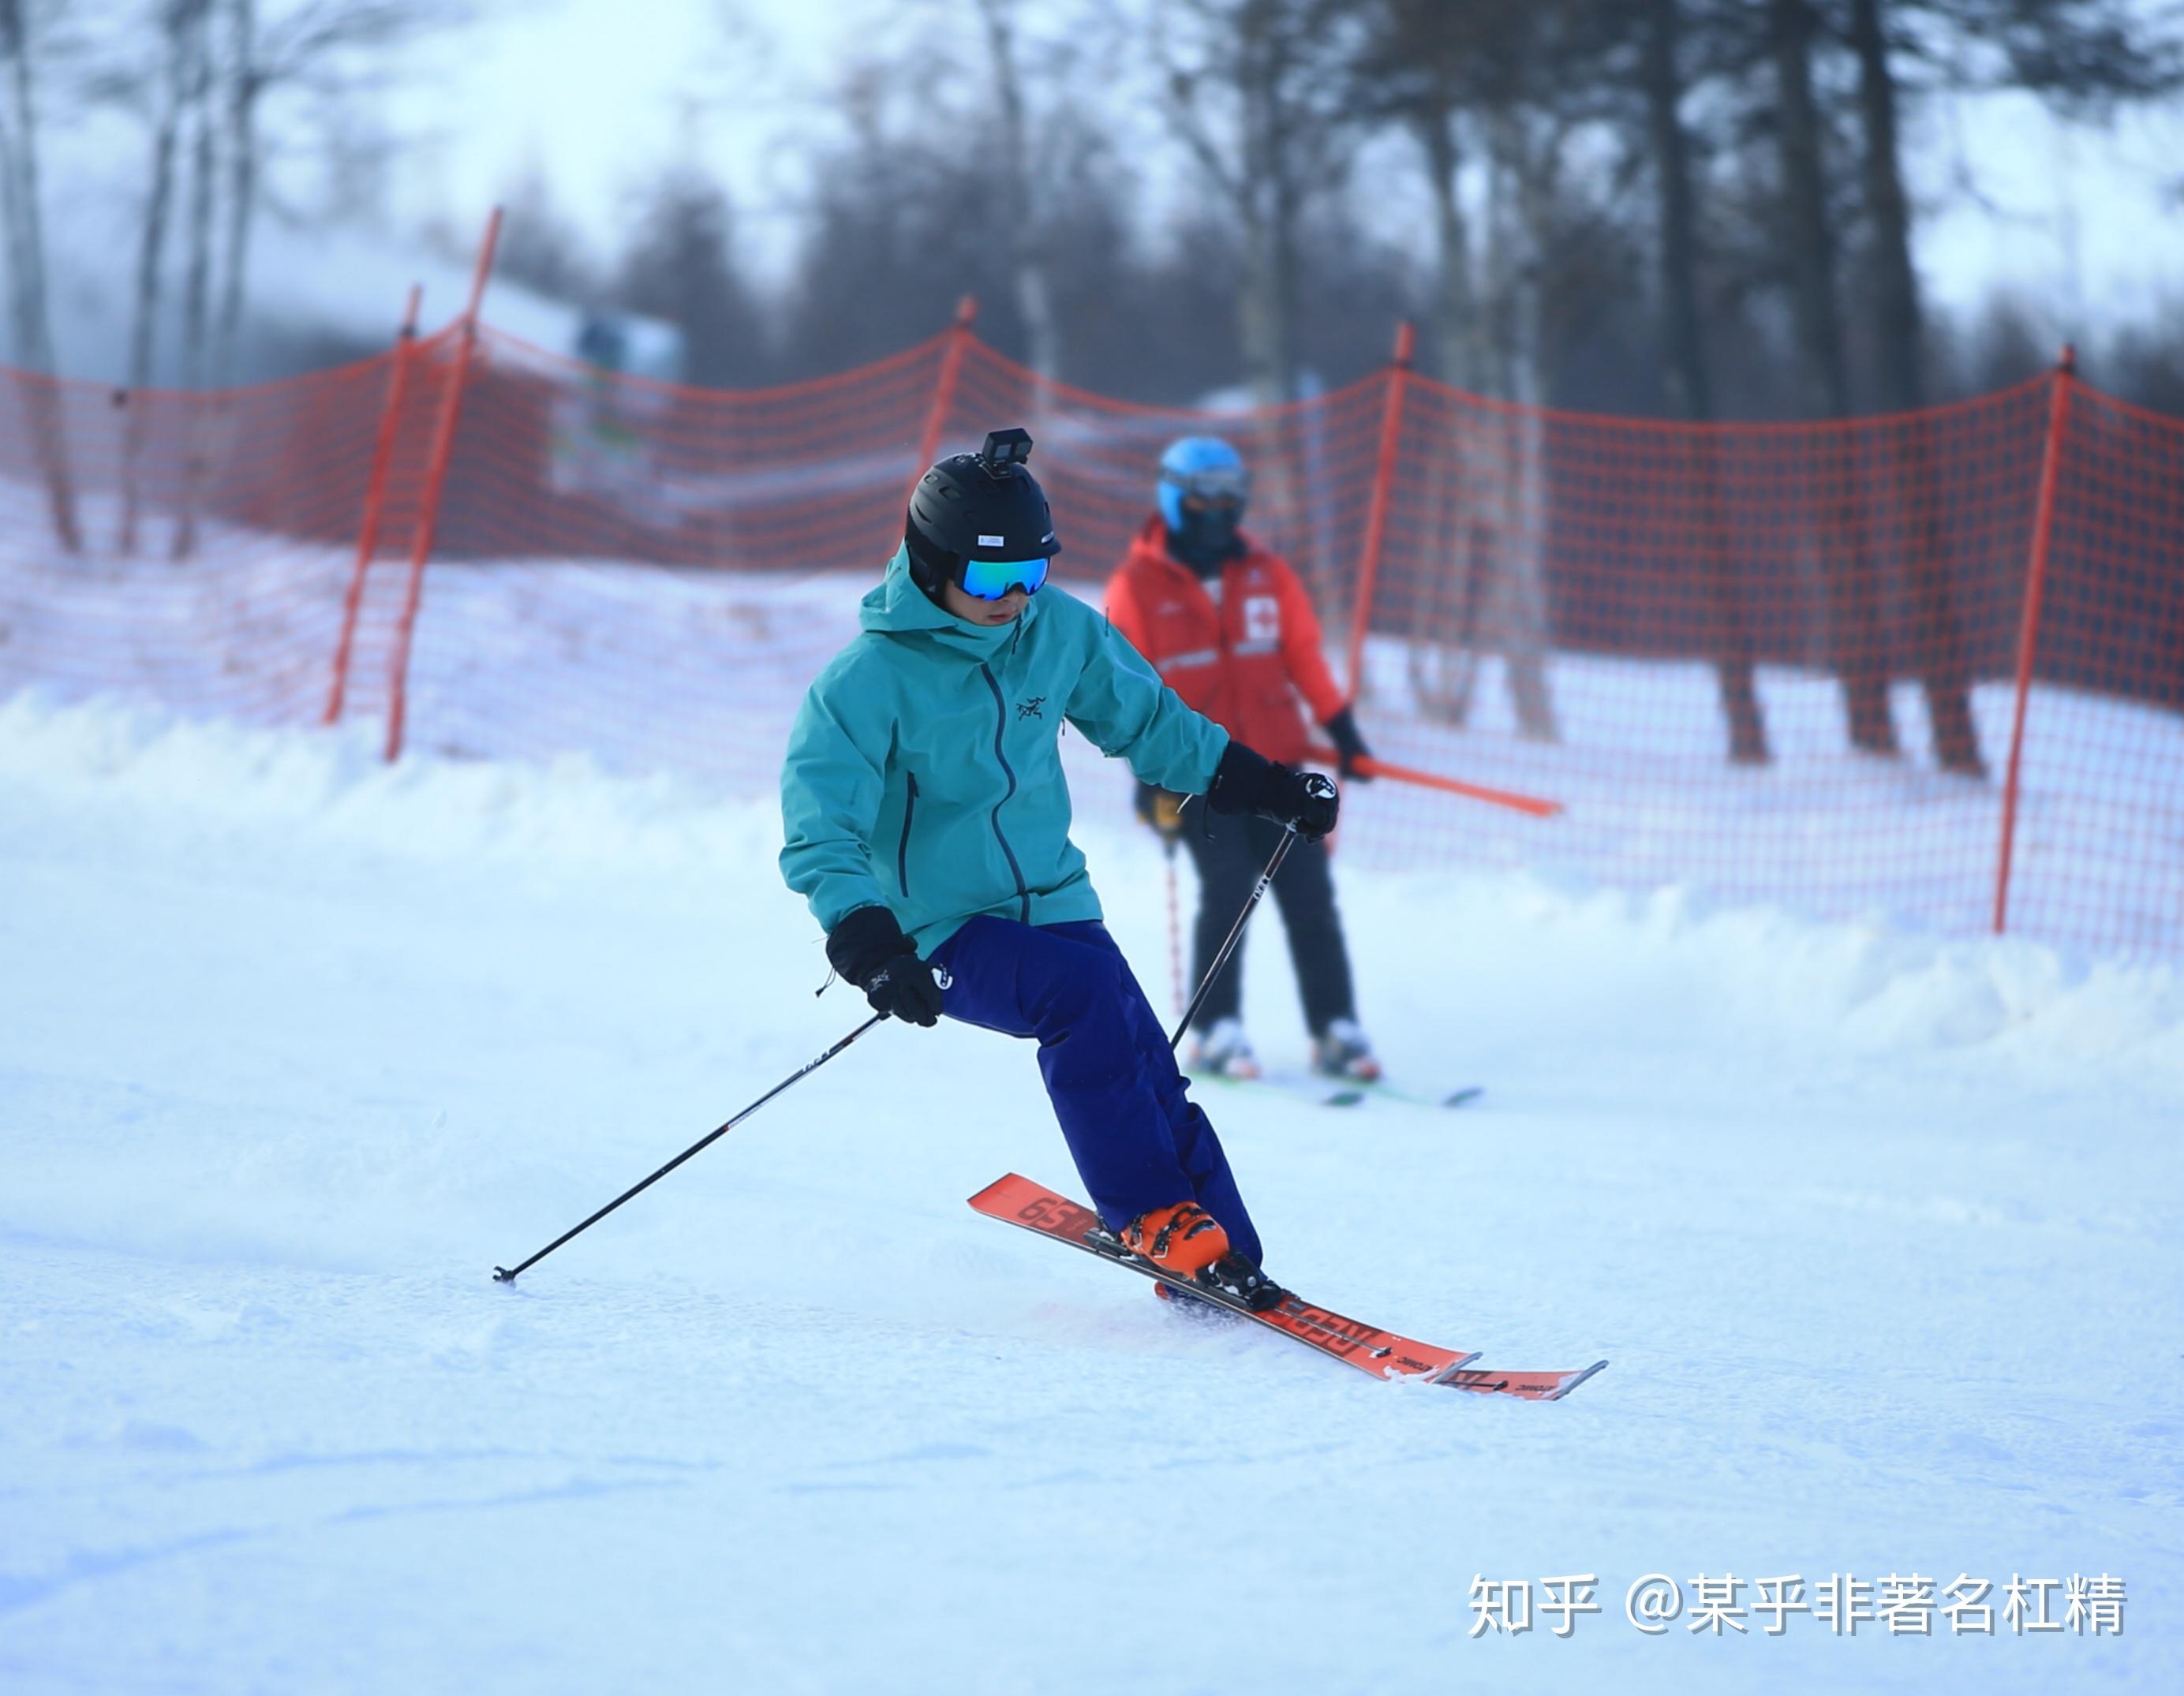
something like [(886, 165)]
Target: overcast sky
[(600, 95)]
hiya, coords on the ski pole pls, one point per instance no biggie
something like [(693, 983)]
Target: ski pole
[(1235, 934), (1174, 934), (507, 1275)]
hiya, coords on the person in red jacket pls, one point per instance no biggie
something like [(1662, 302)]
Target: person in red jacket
[(1230, 629)]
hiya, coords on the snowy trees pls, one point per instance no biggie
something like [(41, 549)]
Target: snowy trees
[(1664, 78), (681, 266), (1254, 91), (2085, 52), (1023, 219), (25, 240), (170, 81), (1501, 77), (195, 74)]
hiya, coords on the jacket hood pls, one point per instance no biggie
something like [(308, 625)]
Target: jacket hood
[(898, 607)]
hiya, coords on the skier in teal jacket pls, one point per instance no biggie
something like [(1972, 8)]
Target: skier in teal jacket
[(925, 820)]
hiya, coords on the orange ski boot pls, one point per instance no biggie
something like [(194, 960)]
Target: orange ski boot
[(1183, 1239)]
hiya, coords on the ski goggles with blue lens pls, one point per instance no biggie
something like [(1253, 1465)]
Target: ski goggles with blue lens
[(1215, 485), (990, 580)]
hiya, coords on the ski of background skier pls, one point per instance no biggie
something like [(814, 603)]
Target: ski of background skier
[(1451, 1098), (1018, 1201), (1329, 1091)]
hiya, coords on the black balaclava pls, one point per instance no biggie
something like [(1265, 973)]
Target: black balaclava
[(1208, 539)]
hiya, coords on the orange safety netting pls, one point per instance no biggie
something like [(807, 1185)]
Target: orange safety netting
[(1860, 667), (189, 548)]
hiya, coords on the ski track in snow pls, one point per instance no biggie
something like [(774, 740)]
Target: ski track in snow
[(1880, 1233)]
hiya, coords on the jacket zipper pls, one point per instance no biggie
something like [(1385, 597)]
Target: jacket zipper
[(1221, 608), (902, 852), (1000, 727)]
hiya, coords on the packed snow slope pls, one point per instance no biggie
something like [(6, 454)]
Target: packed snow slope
[(1880, 1233)]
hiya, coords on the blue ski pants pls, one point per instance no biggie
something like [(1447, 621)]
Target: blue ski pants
[(1138, 1140)]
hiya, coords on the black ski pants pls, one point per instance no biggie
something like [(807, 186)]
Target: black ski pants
[(1230, 852)]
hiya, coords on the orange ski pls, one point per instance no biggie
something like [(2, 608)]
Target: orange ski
[(1018, 1201)]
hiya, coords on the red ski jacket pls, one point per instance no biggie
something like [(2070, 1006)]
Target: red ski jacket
[(1241, 657)]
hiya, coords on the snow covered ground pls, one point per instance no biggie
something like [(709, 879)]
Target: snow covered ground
[(1880, 1233)]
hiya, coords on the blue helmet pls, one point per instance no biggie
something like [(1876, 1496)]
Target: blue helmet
[(1201, 465)]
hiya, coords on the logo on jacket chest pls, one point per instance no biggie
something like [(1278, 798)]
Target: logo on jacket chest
[(1032, 709), (1263, 618)]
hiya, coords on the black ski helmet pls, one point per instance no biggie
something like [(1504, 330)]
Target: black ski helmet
[(985, 505)]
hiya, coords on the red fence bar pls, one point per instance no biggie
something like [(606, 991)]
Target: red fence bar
[(2028, 628), (944, 390), (435, 477), (1533, 806), (375, 498), (1383, 481)]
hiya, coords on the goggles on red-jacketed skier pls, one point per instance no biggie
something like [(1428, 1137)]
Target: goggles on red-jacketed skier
[(1215, 485), (990, 580)]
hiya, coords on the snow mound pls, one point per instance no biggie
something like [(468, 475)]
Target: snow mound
[(1668, 960)]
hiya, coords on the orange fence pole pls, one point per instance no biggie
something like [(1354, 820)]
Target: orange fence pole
[(944, 390), (1376, 515), (436, 478), (374, 496), (2028, 628), (1451, 786)]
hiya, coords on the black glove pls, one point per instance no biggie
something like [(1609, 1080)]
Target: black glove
[(1348, 746), (1161, 808), (1247, 782), (869, 948)]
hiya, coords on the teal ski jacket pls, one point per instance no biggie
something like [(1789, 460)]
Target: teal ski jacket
[(924, 771)]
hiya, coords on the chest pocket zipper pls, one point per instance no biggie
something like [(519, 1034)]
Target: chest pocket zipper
[(902, 852)]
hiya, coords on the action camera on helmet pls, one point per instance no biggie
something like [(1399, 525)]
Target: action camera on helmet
[(1005, 448)]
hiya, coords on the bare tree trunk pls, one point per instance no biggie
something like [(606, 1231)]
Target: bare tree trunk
[(196, 280), (197, 288), (1257, 314), (1270, 208), (1444, 672), (1516, 599), (1690, 392), (1810, 240), (1902, 336), (179, 16), (1283, 267), (1271, 64), (1272, 59), (1026, 247), (1518, 603), (1259, 310), (1456, 302), (26, 277), (243, 87), (1854, 632), (1441, 657), (1284, 491)]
